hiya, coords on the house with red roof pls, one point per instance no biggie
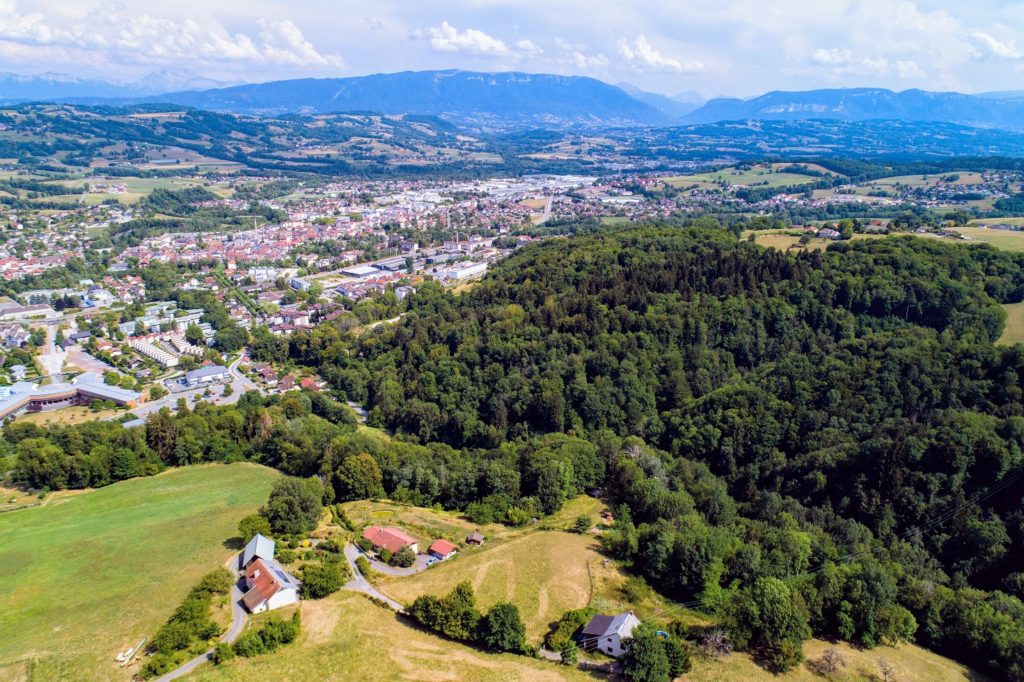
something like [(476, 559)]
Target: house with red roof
[(442, 549), (268, 584), (391, 539)]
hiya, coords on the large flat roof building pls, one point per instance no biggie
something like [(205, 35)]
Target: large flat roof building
[(25, 396)]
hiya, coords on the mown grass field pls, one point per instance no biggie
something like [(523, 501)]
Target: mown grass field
[(785, 242), (87, 575), (911, 663), (997, 221), (544, 573), (760, 176), (1013, 332), (346, 637), (1003, 239)]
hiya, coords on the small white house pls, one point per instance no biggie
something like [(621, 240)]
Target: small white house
[(606, 633)]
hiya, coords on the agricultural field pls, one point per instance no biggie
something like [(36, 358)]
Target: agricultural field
[(90, 574), (965, 178), (1013, 332)]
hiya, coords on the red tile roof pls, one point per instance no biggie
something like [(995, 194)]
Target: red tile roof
[(442, 547), (262, 583), (390, 539)]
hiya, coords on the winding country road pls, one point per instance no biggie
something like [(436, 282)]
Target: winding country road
[(238, 619), (361, 584)]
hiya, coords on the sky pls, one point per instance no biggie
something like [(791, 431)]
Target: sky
[(714, 47)]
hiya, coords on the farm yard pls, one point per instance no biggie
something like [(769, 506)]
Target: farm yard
[(92, 573)]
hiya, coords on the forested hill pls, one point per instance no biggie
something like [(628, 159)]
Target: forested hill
[(850, 404)]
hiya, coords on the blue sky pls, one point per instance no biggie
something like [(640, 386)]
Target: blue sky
[(716, 47)]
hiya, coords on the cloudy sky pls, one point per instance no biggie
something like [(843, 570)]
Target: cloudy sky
[(715, 47)]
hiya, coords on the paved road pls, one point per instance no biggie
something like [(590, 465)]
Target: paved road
[(239, 380), (238, 619), (361, 584)]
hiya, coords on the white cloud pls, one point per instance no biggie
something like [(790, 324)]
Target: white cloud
[(446, 38), (589, 62), (989, 46), (843, 62), (108, 33), (642, 55), (527, 46)]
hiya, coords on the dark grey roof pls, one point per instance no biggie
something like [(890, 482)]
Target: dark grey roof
[(601, 625)]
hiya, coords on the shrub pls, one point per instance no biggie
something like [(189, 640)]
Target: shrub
[(403, 558), (365, 569), (569, 654), (364, 544), (251, 525), (274, 633), (286, 556), (831, 662), (385, 555), (583, 523), (221, 653), (567, 626), (321, 579)]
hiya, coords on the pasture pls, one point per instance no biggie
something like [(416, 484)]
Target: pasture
[(89, 574)]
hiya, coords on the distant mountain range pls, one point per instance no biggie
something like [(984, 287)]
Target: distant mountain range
[(62, 86), (993, 110), (510, 100), (480, 100)]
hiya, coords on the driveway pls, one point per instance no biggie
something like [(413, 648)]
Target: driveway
[(418, 566), (361, 584), (239, 616)]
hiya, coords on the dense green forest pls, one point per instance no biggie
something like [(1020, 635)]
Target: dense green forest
[(840, 419), (831, 437)]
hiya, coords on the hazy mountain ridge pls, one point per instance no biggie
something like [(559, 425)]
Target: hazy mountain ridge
[(515, 101), (468, 98), (62, 86), (861, 104)]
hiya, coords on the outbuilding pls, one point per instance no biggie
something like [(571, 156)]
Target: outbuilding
[(442, 549)]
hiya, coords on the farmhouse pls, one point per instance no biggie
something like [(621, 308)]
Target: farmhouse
[(391, 539), (442, 549), (605, 633), (268, 585)]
